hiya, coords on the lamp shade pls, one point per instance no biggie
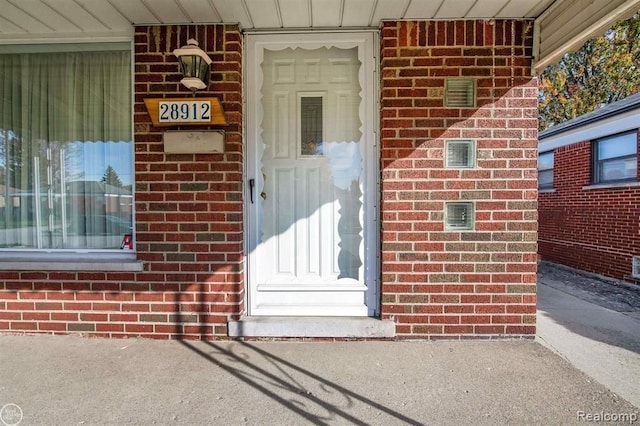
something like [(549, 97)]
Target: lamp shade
[(195, 65)]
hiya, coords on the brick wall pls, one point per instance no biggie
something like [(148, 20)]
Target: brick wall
[(596, 230), (434, 283), (450, 284), (188, 220)]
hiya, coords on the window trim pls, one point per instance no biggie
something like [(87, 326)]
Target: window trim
[(596, 178)]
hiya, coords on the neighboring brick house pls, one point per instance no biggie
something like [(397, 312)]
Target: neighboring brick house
[(370, 183), (589, 202)]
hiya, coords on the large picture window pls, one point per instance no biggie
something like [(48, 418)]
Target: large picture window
[(66, 150), (615, 158)]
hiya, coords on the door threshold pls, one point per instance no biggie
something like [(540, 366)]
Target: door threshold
[(342, 327)]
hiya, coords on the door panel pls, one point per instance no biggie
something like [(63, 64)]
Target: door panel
[(310, 156)]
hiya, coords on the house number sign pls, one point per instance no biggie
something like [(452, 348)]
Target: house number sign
[(190, 111), (187, 111)]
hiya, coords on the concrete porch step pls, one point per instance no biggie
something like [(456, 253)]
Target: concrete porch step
[(361, 327)]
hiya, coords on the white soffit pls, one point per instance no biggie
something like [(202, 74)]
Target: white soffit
[(451, 10), (491, 7), (166, 10), (566, 25), (23, 20), (325, 13), (561, 25), (233, 11), (355, 12), (131, 11), (199, 10), (263, 12), (429, 7), (295, 14)]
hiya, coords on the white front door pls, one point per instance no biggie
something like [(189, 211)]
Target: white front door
[(312, 198)]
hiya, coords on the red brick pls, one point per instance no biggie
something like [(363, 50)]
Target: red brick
[(109, 327), (16, 325), (447, 257), (11, 315), (64, 316), (52, 326), (36, 316), (490, 329), (20, 306), (575, 225), (183, 199), (138, 328)]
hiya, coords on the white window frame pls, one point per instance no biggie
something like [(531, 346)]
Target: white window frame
[(78, 259), (597, 178), (546, 170)]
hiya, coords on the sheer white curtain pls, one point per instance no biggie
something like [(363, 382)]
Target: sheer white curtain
[(66, 169)]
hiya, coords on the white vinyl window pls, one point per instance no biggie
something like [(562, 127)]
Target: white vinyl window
[(545, 170), (66, 149), (615, 158)]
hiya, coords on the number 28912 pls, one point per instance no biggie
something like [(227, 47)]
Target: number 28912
[(187, 111)]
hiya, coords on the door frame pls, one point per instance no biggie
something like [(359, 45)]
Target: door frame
[(368, 41)]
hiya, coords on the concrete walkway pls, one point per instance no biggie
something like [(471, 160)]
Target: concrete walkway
[(594, 324), (69, 380)]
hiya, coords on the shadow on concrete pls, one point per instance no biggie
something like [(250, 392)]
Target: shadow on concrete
[(598, 309), (290, 385)]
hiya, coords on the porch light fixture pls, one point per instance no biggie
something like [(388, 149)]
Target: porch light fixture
[(195, 65)]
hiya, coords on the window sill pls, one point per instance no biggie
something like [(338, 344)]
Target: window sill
[(613, 185), (26, 263), (546, 190)]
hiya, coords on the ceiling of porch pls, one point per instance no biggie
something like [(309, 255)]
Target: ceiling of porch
[(562, 24), (95, 16)]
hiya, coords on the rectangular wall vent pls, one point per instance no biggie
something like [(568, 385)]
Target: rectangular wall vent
[(635, 267), (460, 93)]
